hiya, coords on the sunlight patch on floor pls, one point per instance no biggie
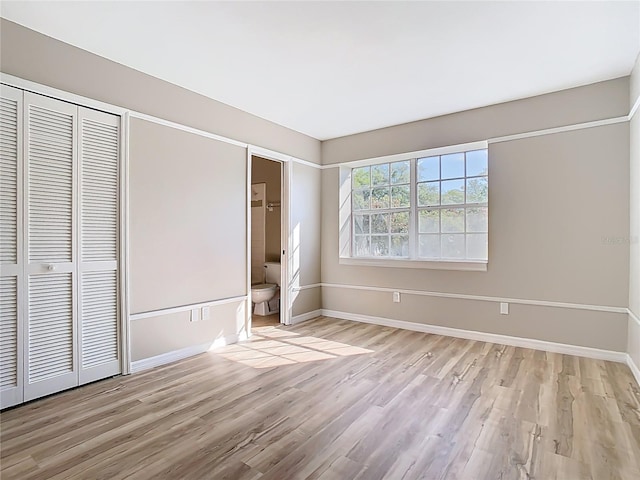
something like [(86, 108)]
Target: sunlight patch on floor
[(272, 347)]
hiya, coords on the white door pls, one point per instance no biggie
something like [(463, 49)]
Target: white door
[(50, 193), (98, 293), (11, 351), (58, 246)]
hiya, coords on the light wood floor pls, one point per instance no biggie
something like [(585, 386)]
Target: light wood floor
[(331, 399), (266, 320)]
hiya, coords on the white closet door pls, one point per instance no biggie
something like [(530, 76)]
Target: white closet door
[(51, 158), (11, 361), (98, 295)]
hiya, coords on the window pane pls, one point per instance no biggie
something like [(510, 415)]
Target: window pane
[(360, 177), (362, 246), (428, 169), (428, 194), (477, 246), (361, 200), (400, 222), (400, 246), (452, 220), (380, 197), (429, 221), (453, 246), (380, 223), (380, 174), (361, 224), (400, 197), (429, 246), (477, 190), (452, 165), (380, 246), (452, 192), (477, 219), (400, 172), (477, 163)]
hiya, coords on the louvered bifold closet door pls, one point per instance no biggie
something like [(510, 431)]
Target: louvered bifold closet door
[(11, 276), (51, 168), (99, 333)]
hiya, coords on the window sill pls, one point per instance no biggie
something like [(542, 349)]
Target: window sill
[(465, 265)]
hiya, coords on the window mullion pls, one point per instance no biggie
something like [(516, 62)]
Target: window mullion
[(413, 214)]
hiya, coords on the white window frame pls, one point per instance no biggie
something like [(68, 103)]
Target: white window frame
[(347, 237)]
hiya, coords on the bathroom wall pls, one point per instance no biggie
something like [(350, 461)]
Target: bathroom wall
[(269, 172)]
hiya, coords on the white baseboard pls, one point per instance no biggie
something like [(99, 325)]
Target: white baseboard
[(305, 316), (169, 357), (566, 349), (634, 368)]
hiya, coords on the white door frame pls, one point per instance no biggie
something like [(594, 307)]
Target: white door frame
[(285, 229)]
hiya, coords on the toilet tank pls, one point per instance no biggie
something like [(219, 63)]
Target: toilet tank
[(272, 270)]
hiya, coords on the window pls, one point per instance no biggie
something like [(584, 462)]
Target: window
[(430, 208)]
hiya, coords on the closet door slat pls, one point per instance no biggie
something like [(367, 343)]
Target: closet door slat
[(99, 318), (9, 332), (11, 274), (50, 173), (50, 354), (99, 190), (99, 183), (9, 144)]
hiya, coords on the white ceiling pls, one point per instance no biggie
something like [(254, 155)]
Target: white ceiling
[(330, 69)]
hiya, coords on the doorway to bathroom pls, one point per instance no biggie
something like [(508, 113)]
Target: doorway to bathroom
[(267, 239)]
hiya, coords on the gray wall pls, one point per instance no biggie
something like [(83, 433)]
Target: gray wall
[(269, 172), (634, 228), (557, 205)]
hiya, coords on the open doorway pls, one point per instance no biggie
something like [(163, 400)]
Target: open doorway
[(268, 279)]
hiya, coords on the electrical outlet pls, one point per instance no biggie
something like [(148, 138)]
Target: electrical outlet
[(195, 314), (504, 308), (396, 297), (206, 313)]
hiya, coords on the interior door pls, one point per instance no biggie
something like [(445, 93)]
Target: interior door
[(98, 293), (51, 247)]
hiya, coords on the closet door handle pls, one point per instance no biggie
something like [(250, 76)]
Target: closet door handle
[(51, 267)]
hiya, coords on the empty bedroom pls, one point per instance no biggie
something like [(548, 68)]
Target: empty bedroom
[(339, 240)]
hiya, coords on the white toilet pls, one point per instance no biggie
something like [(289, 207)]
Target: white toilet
[(266, 296)]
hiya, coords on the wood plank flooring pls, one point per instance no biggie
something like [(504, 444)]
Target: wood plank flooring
[(332, 399)]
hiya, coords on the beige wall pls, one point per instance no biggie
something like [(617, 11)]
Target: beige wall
[(304, 250), (558, 206), (583, 104), (634, 227), (166, 333), (187, 209), (30, 55), (269, 172)]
